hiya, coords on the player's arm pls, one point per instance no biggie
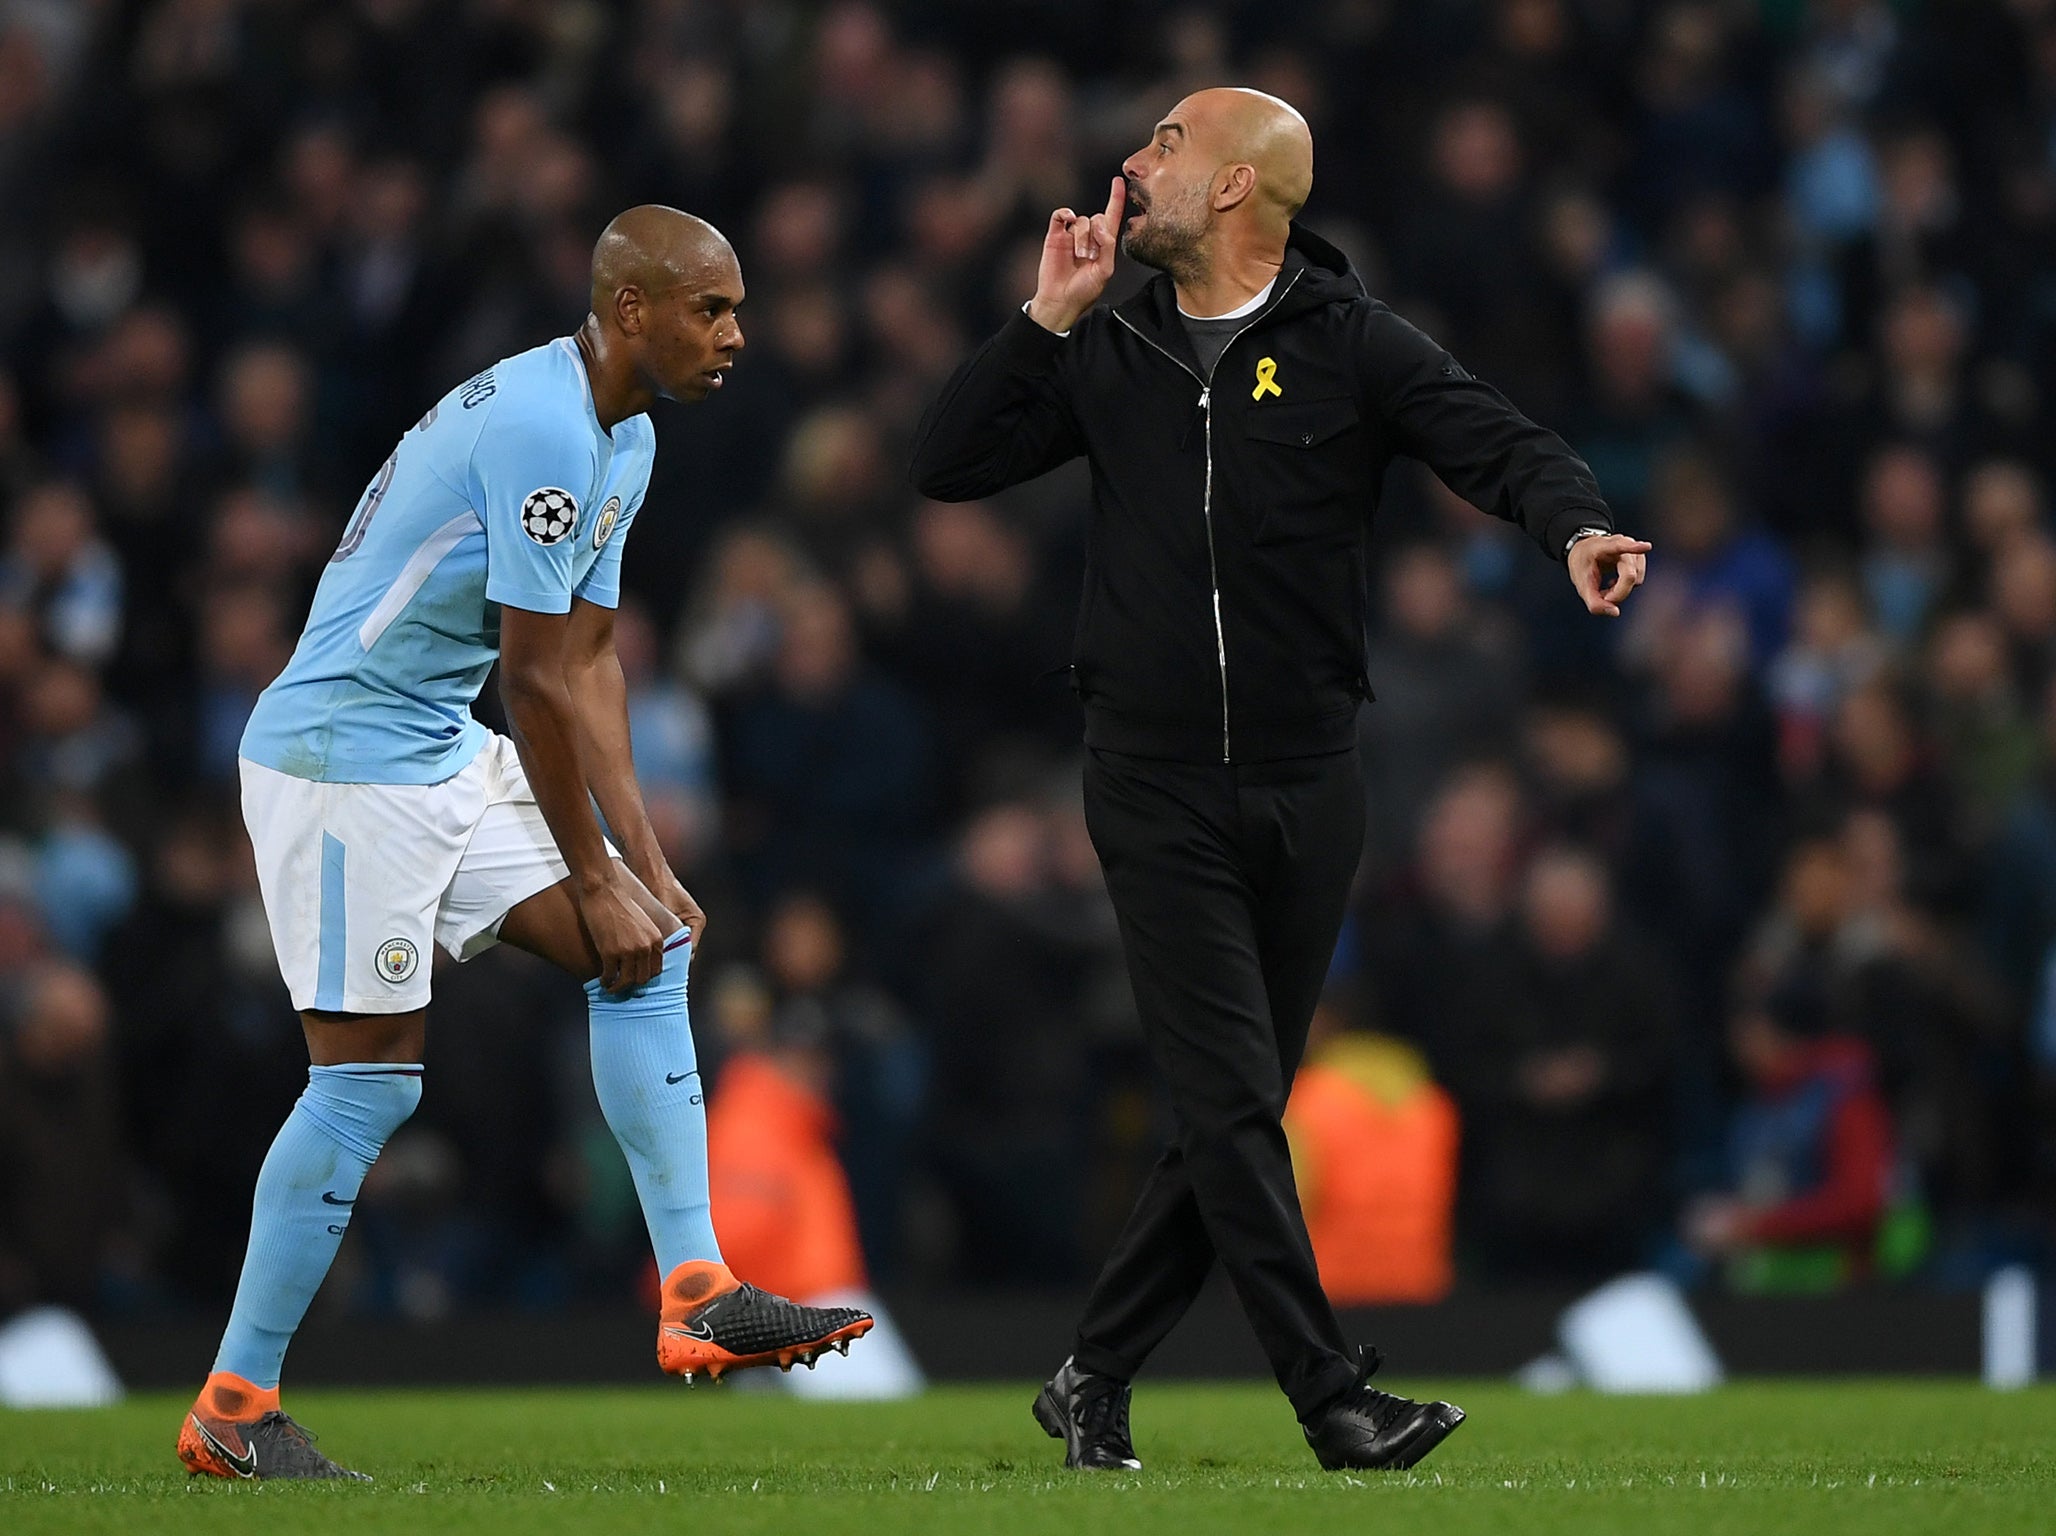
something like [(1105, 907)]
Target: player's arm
[(535, 687), (526, 465), (599, 694)]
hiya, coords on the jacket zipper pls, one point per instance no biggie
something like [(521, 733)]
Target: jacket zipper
[(1206, 505)]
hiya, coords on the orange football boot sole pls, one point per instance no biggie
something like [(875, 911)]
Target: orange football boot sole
[(211, 1441), (689, 1288), (694, 1357)]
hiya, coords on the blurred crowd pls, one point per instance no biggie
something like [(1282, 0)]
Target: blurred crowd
[(1718, 938)]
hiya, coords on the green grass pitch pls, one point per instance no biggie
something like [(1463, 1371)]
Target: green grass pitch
[(1867, 1457)]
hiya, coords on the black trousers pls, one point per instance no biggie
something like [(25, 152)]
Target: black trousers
[(1230, 884)]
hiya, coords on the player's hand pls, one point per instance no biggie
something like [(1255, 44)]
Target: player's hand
[(1077, 260), (1593, 560), (664, 885), (630, 947)]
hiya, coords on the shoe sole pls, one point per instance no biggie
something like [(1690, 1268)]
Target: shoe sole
[(1049, 1413), (1432, 1430), (678, 1355), (200, 1459)]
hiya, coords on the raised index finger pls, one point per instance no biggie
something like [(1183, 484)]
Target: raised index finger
[(1117, 200)]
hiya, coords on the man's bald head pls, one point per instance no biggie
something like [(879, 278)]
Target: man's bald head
[(665, 290), (1224, 173), (654, 248), (1234, 123)]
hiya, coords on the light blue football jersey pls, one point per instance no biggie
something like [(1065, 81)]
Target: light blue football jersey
[(507, 492)]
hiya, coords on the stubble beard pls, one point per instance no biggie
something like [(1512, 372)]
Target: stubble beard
[(1174, 237)]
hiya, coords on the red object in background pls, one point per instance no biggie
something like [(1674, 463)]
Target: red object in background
[(1855, 1152)]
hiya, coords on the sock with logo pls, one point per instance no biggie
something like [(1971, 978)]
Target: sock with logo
[(305, 1192), (647, 1077)]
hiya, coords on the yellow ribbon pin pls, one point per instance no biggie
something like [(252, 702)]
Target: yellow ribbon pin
[(1266, 379)]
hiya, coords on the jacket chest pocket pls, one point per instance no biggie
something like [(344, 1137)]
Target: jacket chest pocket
[(1303, 465)]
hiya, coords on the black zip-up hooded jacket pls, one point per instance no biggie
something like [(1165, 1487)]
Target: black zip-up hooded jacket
[(1224, 605)]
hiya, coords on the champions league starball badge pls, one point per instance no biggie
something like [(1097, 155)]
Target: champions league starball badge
[(549, 515)]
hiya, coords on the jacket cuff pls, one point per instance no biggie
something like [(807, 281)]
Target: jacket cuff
[(1565, 521), (1027, 346)]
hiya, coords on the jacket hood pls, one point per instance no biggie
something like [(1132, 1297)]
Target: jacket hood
[(1314, 273)]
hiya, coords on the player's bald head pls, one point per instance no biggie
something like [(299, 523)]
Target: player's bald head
[(666, 287), (1234, 123), (655, 248)]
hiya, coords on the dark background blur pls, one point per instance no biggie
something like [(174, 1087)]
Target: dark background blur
[(1780, 270)]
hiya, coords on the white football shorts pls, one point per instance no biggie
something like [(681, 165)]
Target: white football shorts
[(358, 879)]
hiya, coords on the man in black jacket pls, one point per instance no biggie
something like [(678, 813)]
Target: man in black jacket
[(1238, 415)]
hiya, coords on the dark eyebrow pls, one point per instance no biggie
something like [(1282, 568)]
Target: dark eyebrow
[(1170, 127)]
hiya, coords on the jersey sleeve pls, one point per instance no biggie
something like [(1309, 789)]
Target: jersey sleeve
[(602, 584), (531, 469)]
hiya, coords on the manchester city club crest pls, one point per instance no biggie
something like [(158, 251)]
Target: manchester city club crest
[(397, 959), (603, 530)]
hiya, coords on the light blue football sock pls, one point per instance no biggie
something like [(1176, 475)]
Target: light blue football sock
[(648, 1080), (305, 1191)]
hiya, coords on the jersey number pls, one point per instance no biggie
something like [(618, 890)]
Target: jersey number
[(360, 520), (374, 493)]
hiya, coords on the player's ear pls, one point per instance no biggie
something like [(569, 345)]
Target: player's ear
[(629, 310)]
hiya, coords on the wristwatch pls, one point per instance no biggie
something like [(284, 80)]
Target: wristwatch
[(1583, 533)]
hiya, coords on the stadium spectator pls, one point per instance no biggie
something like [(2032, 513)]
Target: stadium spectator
[(2002, 499), (1564, 1086), (1634, 410), (1811, 1151), (1906, 563), (1022, 972), (828, 768), (1439, 937), (977, 636), (1714, 562), (1832, 652), (2023, 596), (1987, 744), (1705, 797), (1577, 762), (1449, 676), (63, 575), (63, 1178), (674, 746)]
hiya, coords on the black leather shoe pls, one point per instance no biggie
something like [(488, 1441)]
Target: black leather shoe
[(1366, 1428), (1089, 1413)]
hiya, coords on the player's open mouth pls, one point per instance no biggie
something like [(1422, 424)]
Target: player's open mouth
[(713, 377)]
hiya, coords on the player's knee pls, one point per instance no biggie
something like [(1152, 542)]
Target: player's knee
[(363, 1103), (664, 993)]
